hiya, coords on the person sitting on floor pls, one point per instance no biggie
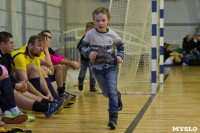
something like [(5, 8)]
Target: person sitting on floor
[(170, 57)]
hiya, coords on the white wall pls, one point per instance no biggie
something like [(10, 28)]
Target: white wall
[(181, 18), (35, 18), (79, 12)]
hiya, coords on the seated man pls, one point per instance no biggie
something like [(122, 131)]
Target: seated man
[(11, 113), (60, 64), (47, 68), (170, 57), (23, 98)]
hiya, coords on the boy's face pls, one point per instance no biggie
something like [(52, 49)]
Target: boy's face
[(101, 22)]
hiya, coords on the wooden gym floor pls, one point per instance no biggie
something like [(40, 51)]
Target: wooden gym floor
[(177, 104)]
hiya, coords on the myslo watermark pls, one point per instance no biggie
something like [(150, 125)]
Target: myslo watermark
[(185, 129)]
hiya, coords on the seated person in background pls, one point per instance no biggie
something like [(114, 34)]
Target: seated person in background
[(198, 42), (188, 45), (60, 64), (85, 63), (170, 57), (165, 44)]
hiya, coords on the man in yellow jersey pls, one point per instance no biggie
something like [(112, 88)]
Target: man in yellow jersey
[(26, 65)]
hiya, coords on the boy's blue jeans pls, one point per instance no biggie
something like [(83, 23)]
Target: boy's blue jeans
[(107, 79), (81, 77)]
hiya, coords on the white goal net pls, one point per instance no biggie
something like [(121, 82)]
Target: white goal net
[(131, 19)]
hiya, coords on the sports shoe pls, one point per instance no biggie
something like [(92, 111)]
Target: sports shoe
[(60, 103), (67, 94), (120, 104), (14, 119), (3, 130), (113, 120), (1, 123), (69, 105), (73, 97), (17, 130), (80, 87), (112, 125), (184, 64), (92, 88), (30, 118), (52, 109)]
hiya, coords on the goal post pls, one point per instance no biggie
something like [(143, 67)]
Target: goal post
[(137, 23)]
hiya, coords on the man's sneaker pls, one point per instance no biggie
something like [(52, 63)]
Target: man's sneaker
[(17, 130), (30, 118), (60, 103), (52, 109), (3, 130), (69, 105), (73, 97), (80, 87), (120, 104), (1, 123), (66, 94), (14, 119)]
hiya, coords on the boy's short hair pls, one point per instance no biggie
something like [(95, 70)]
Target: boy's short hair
[(35, 38), (101, 10), (4, 36), (89, 25)]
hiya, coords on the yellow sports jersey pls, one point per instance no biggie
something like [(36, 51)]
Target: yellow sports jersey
[(42, 55), (21, 59)]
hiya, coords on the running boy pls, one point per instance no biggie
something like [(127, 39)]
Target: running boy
[(104, 61)]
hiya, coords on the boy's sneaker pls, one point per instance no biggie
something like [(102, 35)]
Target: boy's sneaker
[(120, 104), (92, 88), (14, 119), (113, 120), (112, 125), (80, 87), (52, 109)]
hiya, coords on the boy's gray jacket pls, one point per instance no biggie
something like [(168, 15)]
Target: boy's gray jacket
[(102, 43)]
